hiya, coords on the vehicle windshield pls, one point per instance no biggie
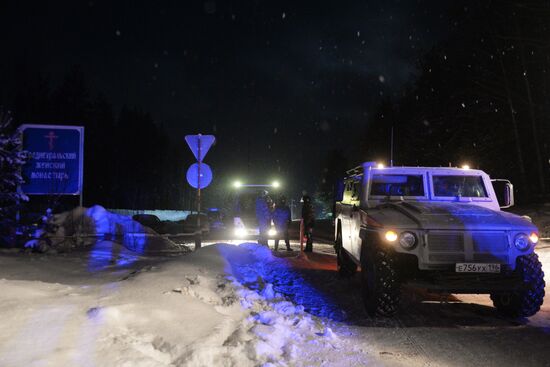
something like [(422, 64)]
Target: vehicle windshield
[(397, 185), (244, 203), (465, 186)]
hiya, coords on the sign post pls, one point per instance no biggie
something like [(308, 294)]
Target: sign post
[(56, 160), (199, 175), (198, 243)]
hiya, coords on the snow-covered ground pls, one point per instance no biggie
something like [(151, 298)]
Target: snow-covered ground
[(238, 305)]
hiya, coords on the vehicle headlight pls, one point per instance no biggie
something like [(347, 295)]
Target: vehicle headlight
[(534, 238), (391, 236), (522, 242), (407, 240), (272, 232), (240, 232)]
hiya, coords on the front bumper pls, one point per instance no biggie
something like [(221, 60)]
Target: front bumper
[(438, 250), (450, 282)]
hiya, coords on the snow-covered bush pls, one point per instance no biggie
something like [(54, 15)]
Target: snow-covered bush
[(11, 160), (84, 227)]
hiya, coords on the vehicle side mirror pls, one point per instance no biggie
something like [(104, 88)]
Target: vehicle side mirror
[(339, 190), (504, 191)]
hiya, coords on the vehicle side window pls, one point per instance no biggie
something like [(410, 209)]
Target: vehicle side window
[(355, 190), (352, 192), (397, 185)]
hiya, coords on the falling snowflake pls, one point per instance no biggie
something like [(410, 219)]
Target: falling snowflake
[(117, 32), (275, 130), (283, 15), (381, 78)]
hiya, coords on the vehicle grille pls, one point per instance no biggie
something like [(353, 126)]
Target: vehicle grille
[(453, 247), (490, 242), (453, 242)]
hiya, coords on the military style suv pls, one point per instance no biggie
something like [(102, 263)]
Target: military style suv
[(436, 228)]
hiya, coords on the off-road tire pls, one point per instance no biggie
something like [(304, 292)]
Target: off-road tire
[(380, 286), (345, 265), (527, 302)]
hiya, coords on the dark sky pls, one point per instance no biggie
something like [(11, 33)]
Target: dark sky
[(279, 83)]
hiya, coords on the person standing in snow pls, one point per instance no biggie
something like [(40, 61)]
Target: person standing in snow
[(308, 217), (263, 215), (281, 219)]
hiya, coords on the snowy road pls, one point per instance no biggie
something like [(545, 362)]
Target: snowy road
[(240, 305)]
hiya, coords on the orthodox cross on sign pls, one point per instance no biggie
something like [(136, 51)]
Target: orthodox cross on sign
[(51, 136)]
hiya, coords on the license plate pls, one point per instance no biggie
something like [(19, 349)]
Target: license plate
[(477, 268)]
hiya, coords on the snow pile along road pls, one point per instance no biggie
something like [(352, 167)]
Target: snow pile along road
[(210, 308), (83, 227)]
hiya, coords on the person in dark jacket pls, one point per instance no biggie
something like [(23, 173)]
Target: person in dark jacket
[(263, 215), (308, 217), (281, 219)]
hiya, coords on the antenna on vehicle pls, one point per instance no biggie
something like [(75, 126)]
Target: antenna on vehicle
[(391, 147)]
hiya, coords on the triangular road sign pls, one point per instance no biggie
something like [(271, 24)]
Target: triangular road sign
[(204, 142)]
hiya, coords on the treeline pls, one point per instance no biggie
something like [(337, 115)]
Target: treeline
[(482, 97), (129, 162)]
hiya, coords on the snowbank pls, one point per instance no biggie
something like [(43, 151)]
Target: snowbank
[(85, 226), (210, 308)]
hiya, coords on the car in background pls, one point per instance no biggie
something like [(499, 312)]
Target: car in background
[(244, 223)]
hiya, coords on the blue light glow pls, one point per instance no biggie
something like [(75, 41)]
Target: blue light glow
[(269, 275)]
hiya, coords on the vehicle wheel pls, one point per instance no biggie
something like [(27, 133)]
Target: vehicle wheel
[(380, 285), (527, 302), (346, 266)]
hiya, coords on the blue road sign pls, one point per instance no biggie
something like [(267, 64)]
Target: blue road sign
[(193, 175), (200, 144), (56, 159)]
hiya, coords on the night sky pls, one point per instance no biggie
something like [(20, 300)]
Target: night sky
[(280, 83)]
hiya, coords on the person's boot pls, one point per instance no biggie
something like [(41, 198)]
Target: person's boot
[(276, 248), (309, 246), (288, 246)]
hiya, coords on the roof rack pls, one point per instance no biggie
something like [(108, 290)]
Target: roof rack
[(355, 171)]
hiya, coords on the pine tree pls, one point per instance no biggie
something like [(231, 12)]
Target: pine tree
[(11, 160)]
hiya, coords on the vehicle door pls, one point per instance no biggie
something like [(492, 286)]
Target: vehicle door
[(345, 216), (355, 218)]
